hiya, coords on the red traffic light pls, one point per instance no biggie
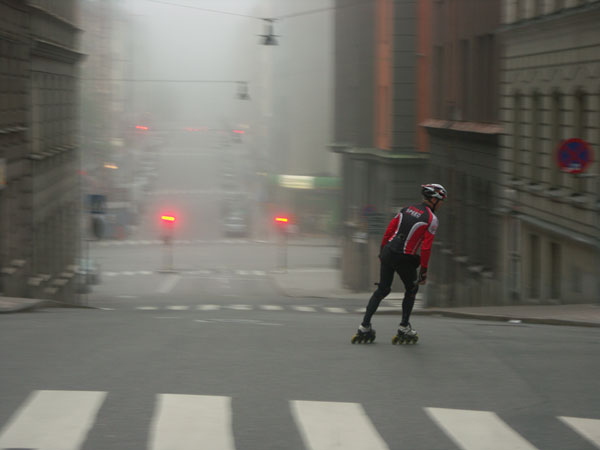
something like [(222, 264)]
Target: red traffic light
[(281, 220), (168, 219), (141, 127)]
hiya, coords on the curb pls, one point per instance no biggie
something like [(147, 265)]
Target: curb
[(29, 306), (501, 318)]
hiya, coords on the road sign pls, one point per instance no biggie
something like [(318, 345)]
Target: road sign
[(574, 155)]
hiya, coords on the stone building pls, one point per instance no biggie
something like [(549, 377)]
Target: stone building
[(464, 131), (375, 124), (550, 93), (41, 197)]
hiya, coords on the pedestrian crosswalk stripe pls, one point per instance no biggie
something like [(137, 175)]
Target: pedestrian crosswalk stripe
[(271, 307), (333, 309), (304, 308), (189, 422), (589, 428), (52, 420), (477, 430), (331, 425)]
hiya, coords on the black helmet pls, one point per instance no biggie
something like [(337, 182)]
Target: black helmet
[(434, 191)]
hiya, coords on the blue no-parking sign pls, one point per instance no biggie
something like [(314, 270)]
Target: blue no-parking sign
[(574, 155)]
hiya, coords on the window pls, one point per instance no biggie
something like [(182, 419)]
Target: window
[(555, 266), (535, 257), (535, 138), (438, 80), (555, 133), (516, 135), (465, 69), (580, 131)]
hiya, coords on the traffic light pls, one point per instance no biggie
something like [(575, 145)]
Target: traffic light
[(142, 127), (282, 223), (167, 225)]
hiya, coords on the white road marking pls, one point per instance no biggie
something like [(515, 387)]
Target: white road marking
[(110, 274), (147, 308), (208, 307), (271, 307), (127, 296), (334, 309), (145, 272), (178, 307), (304, 308), (240, 307), (333, 425), (128, 273), (242, 272), (589, 428), (52, 420), (189, 422), (169, 283), (477, 430)]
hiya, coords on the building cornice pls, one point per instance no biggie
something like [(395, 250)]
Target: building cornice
[(572, 15), (54, 51), (377, 153), (451, 126), (42, 11)]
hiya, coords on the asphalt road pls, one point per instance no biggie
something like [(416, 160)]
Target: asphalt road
[(273, 378)]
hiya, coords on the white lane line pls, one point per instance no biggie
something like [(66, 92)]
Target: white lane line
[(110, 274), (52, 420), (128, 273), (178, 307), (240, 307), (147, 308), (588, 428), (271, 307), (477, 430), (189, 422), (335, 309), (242, 272), (259, 273), (169, 283), (332, 425), (208, 307), (145, 272), (304, 308)]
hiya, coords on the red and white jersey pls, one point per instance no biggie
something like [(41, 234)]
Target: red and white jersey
[(412, 228)]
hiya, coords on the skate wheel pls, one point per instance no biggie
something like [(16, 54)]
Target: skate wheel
[(371, 340), (354, 339), (395, 340)]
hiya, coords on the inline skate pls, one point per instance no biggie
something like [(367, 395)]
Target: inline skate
[(405, 335), (364, 335)]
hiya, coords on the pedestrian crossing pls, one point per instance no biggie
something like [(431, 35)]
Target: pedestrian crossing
[(147, 242), (252, 307), (192, 273), (62, 420)]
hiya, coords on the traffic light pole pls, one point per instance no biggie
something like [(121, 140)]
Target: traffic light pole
[(168, 254), (283, 249)]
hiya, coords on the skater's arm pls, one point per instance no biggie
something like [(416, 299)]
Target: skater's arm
[(428, 242), (391, 229)]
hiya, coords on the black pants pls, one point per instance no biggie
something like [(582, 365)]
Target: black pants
[(406, 267)]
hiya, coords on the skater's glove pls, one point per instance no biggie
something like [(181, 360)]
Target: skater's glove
[(422, 275)]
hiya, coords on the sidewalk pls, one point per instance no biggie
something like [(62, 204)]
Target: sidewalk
[(326, 283), (17, 304)]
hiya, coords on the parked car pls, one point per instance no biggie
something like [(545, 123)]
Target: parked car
[(236, 225)]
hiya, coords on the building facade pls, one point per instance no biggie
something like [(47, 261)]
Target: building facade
[(550, 93), (375, 125), (40, 232), (463, 134)]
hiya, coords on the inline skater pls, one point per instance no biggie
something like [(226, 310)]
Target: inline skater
[(414, 225)]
